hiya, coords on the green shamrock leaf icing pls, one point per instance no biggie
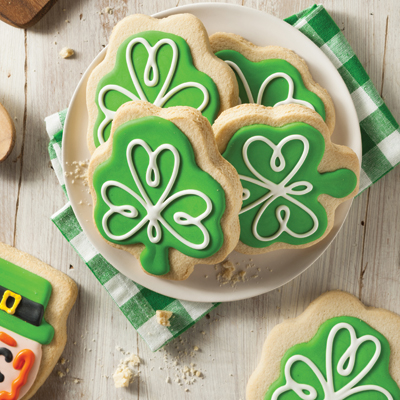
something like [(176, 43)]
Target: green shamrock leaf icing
[(156, 67), (346, 360), (281, 183), (151, 191), (270, 82)]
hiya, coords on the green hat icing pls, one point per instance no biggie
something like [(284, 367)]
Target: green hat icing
[(27, 319)]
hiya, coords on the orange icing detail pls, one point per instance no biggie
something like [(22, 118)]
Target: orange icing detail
[(23, 361), (7, 339)]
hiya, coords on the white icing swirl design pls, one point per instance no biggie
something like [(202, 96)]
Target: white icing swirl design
[(278, 190), (289, 100), (150, 78), (345, 367), (154, 211)]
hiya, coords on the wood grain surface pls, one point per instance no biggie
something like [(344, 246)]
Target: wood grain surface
[(363, 260)]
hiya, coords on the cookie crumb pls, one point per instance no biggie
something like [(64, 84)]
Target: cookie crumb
[(66, 52), (227, 272), (163, 317), (125, 374), (109, 10)]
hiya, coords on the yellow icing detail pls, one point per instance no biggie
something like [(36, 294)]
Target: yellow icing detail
[(17, 300)]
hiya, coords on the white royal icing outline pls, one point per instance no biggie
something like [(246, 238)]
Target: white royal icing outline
[(154, 211), (151, 67), (289, 100), (278, 190), (348, 357)]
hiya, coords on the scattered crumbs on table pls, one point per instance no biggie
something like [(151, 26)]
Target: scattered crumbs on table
[(66, 52), (125, 372)]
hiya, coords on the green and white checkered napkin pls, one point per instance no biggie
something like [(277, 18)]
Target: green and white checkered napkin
[(381, 152), (379, 130)]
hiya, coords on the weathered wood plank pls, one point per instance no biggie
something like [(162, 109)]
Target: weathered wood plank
[(234, 334), (12, 81)]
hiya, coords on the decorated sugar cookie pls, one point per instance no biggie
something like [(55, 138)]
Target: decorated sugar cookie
[(162, 191), (167, 62), (35, 301), (293, 177), (338, 349), (272, 75)]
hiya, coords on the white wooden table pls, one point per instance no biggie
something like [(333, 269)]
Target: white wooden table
[(364, 259)]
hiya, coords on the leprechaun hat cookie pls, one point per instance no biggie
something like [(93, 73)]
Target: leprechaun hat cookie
[(272, 75), (167, 62), (338, 349), (293, 176), (162, 191), (35, 301)]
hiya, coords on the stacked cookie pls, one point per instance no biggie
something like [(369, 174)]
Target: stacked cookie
[(205, 145)]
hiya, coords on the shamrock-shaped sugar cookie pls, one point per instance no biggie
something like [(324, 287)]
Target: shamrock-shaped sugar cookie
[(293, 177), (163, 192), (272, 76), (336, 350), (167, 62)]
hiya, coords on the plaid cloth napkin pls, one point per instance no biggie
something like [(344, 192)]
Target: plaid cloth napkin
[(379, 130), (380, 136)]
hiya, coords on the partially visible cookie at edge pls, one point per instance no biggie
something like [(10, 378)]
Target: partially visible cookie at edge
[(162, 191), (35, 300), (261, 72), (337, 347)]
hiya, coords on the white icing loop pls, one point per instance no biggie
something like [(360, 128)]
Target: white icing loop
[(278, 190), (289, 100), (153, 211), (245, 194), (151, 69), (307, 392)]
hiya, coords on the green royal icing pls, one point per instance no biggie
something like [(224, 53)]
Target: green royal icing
[(305, 367), (122, 213), (32, 287), (169, 80), (281, 186), (252, 75)]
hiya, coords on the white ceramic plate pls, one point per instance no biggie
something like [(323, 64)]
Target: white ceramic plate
[(276, 268)]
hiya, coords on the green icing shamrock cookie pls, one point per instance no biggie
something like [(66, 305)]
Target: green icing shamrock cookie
[(156, 197), (337, 350), (293, 178), (272, 76), (166, 62)]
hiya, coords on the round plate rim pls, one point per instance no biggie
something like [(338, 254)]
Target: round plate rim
[(164, 289)]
